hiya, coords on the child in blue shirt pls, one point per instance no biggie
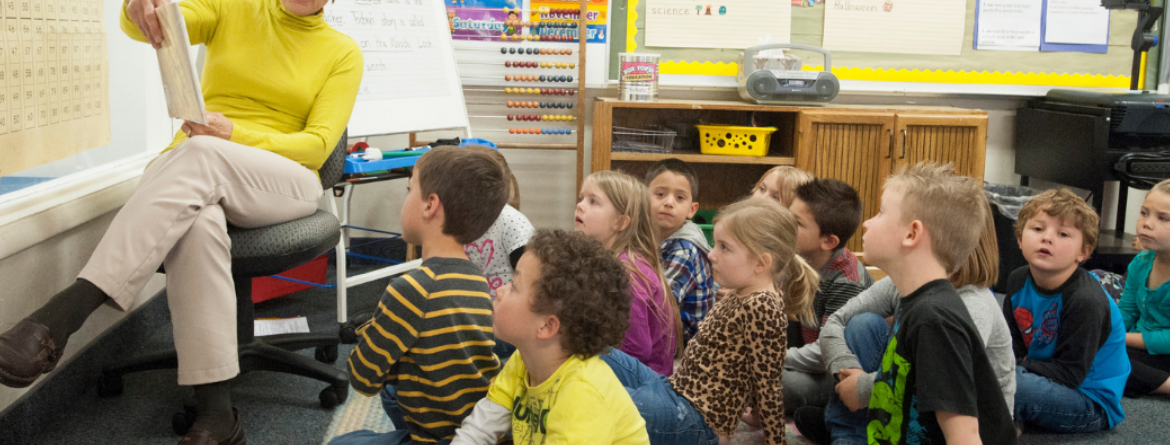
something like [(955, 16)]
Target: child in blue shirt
[(1145, 302), (1067, 334)]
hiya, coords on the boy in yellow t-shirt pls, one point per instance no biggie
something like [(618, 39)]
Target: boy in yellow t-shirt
[(566, 304)]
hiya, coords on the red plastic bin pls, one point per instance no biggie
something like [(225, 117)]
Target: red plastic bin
[(267, 288)]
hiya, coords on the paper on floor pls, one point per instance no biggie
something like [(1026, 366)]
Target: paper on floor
[(276, 326)]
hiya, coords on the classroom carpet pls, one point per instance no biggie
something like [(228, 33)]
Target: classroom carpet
[(284, 409)]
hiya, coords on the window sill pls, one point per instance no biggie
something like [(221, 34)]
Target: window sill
[(41, 212)]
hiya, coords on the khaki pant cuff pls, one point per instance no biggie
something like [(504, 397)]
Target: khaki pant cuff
[(212, 375)]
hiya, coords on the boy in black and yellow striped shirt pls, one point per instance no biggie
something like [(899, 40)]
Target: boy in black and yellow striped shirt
[(428, 349)]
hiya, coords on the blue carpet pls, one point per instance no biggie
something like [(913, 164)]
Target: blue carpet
[(274, 408)]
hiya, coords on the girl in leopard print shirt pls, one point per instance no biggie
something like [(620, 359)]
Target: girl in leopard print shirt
[(737, 356)]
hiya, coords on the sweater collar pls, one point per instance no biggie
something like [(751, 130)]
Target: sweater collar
[(306, 23)]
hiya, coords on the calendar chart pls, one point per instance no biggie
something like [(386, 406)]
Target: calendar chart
[(53, 81)]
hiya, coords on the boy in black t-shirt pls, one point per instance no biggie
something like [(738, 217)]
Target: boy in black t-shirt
[(934, 384)]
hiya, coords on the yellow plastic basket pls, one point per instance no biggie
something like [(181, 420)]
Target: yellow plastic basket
[(735, 141)]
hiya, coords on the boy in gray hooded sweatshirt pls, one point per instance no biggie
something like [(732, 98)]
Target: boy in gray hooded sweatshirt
[(674, 194)]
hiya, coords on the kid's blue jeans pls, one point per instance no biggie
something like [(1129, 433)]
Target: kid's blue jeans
[(867, 335), (670, 418), (1055, 407)]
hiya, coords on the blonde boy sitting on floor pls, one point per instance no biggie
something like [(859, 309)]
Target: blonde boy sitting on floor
[(935, 383)]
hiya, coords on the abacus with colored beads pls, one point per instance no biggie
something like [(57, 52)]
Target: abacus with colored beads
[(535, 58)]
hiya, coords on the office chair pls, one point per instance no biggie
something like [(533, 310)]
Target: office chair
[(256, 253)]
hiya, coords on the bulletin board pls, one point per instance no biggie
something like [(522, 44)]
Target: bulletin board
[(1063, 69), (53, 72)]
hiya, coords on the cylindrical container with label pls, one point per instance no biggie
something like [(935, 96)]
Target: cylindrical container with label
[(638, 77)]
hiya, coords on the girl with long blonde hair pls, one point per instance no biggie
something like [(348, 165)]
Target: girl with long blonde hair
[(737, 356), (614, 208)]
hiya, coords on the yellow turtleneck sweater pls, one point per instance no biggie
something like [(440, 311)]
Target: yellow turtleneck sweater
[(287, 82)]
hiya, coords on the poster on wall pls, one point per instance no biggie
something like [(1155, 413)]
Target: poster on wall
[(53, 81), (493, 20), (480, 19), (562, 11), (895, 26), (1007, 25), (725, 24)]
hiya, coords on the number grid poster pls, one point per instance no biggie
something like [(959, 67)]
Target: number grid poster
[(53, 81)]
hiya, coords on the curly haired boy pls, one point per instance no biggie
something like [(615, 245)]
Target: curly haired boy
[(567, 303)]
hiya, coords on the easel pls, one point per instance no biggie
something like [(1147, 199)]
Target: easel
[(412, 262), (345, 192)]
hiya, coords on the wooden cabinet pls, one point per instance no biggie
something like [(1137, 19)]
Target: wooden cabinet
[(860, 145), (863, 146)]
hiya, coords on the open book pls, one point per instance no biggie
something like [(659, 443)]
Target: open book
[(180, 81)]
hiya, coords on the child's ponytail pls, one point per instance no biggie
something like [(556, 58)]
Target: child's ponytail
[(799, 285), (764, 227)]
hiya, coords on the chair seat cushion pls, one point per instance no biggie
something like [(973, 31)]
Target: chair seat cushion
[(279, 247)]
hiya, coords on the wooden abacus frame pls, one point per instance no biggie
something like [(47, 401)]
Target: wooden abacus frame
[(579, 146)]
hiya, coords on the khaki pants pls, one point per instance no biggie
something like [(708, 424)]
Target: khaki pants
[(178, 216)]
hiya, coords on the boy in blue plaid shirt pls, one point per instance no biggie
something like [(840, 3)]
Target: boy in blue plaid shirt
[(674, 195)]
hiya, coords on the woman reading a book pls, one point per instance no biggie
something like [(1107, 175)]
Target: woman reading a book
[(279, 85)]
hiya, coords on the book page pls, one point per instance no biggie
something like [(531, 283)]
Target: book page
[(895, 26), (180, 81), (731, 24)]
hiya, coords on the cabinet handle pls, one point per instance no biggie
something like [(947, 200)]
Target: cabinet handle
[(890, 148), (903, 145)]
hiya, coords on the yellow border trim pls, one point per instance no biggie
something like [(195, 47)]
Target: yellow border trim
[(631, 27), (920, 76), (891, 74)]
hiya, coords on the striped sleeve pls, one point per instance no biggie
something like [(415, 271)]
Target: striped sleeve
[(832, 296), (388, 335)]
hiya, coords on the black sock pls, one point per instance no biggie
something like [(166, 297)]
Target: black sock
[(66, 312), (213, 402)]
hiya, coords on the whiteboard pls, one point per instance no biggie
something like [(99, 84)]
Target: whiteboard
[(410, 81)]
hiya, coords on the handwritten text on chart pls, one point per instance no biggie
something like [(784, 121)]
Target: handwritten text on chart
[(400, 42)]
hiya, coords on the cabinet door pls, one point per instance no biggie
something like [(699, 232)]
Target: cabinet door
[(960, 139), (854, 146)]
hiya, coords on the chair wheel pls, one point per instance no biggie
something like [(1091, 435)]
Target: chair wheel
[(326, 354), (332, 397), (181, 422), (348, 334), (110, 385)]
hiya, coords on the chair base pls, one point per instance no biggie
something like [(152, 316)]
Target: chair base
[(273, 353)]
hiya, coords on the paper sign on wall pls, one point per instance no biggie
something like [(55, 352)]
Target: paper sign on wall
[(1007, 25), (895, 26), (1082, 22), (725, 24)]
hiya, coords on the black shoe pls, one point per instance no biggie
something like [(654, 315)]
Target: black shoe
[(26, 352), (810, 421), (200, 435)]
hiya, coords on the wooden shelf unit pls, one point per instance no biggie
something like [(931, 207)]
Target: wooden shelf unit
[(705, 159), (860, 145)]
